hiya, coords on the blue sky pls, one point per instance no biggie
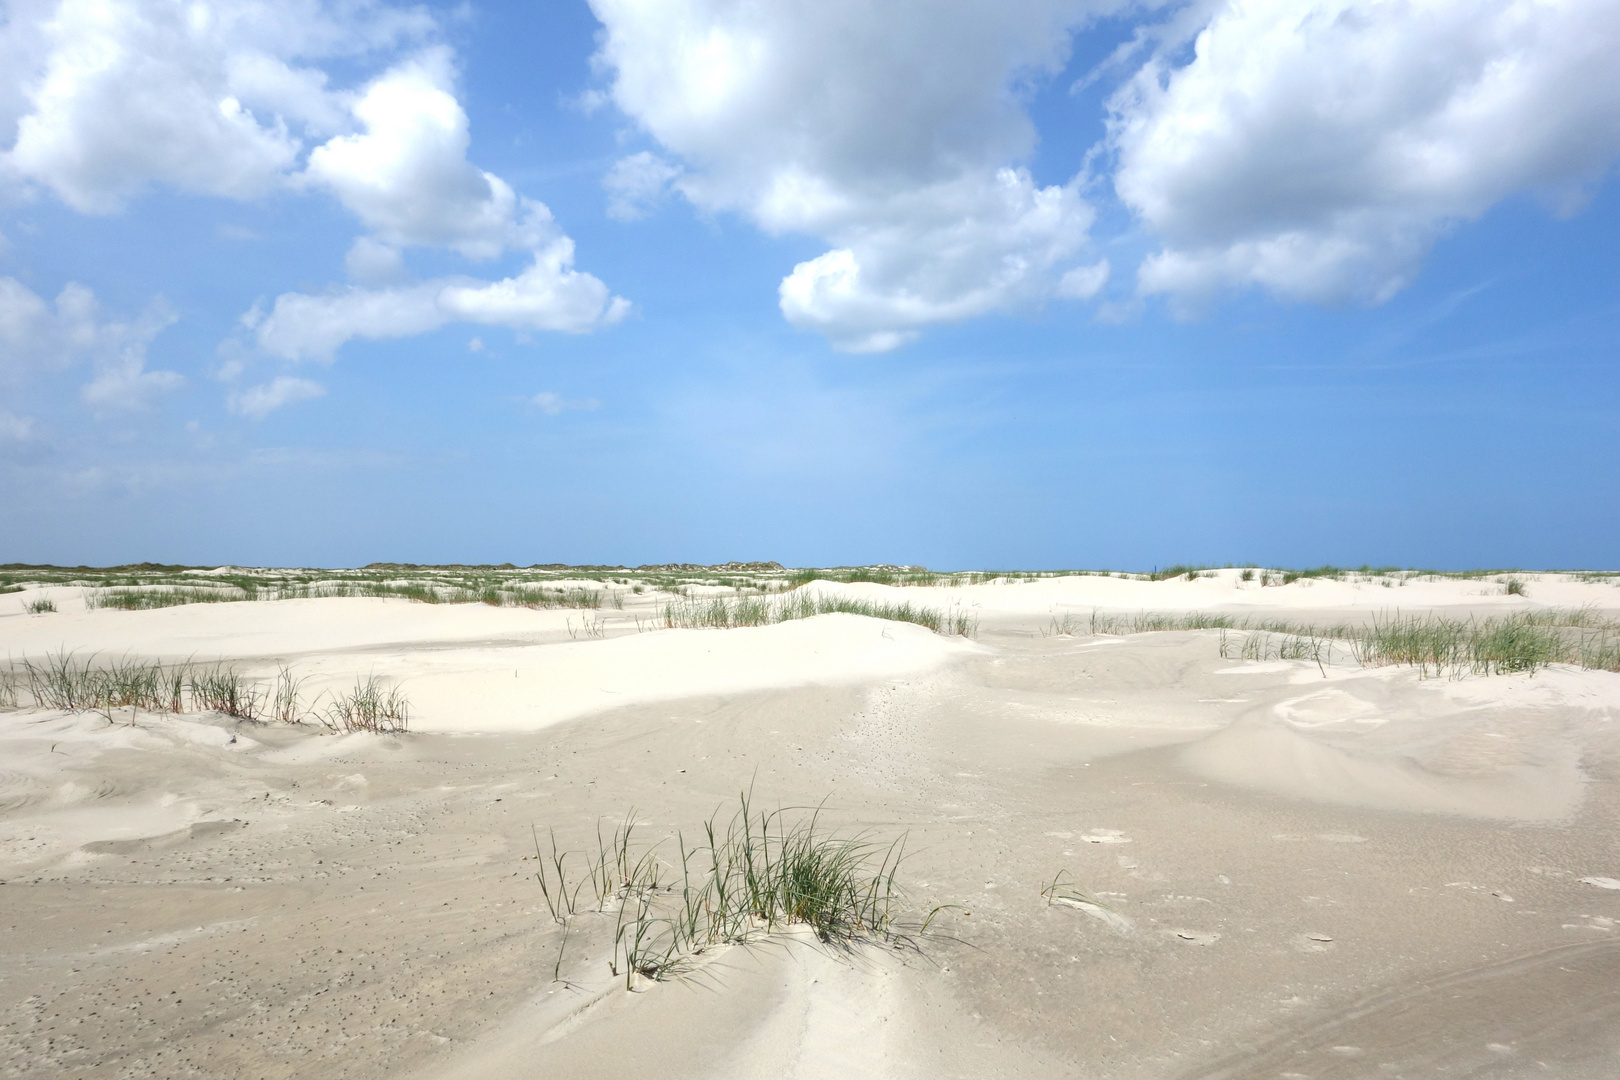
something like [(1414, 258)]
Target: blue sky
[(1029, 284)]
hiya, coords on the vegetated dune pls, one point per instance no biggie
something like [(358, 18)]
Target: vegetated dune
[(1136, 854)]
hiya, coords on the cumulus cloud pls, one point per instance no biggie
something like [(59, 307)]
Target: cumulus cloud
[(1318, 149), (37, 337), (260, 401), (549, 295), (937, 256), (406, 175), (106, 97), (891, 131)]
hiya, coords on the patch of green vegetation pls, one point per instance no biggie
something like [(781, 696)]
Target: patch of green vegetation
[(727, 613), (65, 682), (371, 706), (1435, 644), (745, 879), (1522, 642)]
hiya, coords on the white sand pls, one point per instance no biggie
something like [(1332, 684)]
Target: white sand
[(1284, 870)]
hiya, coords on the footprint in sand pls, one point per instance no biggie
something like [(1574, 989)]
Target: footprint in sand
[(1196, 937), (1313, 942), (1601, 882), (1106, 836)]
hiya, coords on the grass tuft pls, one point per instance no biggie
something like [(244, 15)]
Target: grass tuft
[(370, 706), (42, 606), (750, 876), (730, 612), (67, 683), (1520, 643)]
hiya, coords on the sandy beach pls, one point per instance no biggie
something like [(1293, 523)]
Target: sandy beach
[(1263, 868)]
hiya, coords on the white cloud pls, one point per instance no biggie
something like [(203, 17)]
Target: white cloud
[(407, 176), (1318, 149), (1084, 282), (222, 97), (260, 401), (892, 131), (106, 97), (548, 295), (555, 404), (937, 256), (36, 339), (637, 184)]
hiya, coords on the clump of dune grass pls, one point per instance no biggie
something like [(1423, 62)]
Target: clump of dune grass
[(1520, 643), (729, 612), (1146, 622), (43, 606), (751, 876), (222, 689), (68, 683), (371, 706), (149, 599), (286, 703), (64, 681)]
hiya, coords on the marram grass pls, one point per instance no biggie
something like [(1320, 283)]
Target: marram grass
[(758, 873), (1520, 642), (65, 682), (730, 612)]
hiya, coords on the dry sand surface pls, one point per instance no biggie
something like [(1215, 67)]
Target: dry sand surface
[(1287, 871)]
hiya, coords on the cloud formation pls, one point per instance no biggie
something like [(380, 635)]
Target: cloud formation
[(407, 177), (260, 401), (104, 99), (406, 174), (548, 295), (893, 132), (37, 338), (1319, 149)]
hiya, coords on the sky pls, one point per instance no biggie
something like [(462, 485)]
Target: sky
[(986, 284)]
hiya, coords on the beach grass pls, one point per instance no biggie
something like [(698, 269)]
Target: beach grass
[(372, 706), (69, 683), (742, 878), (43, 606), (495, 594), (731, 612), (1519, 642)]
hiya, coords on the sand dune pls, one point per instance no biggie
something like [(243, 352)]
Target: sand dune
[(1277, 868)]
